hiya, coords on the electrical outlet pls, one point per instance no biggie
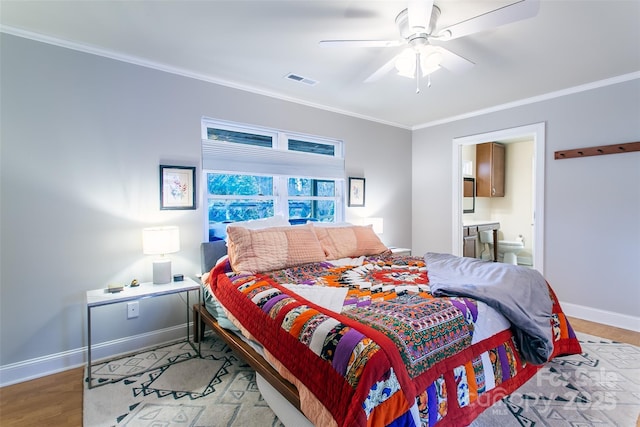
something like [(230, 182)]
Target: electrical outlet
[(133, 309)]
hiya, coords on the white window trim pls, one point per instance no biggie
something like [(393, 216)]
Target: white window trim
[(278, 161)]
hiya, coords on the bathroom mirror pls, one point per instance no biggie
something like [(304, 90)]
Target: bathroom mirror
[(469, 195)]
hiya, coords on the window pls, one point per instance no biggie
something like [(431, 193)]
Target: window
[(311, 199), (239, 137), (311, 147), (252, 173)]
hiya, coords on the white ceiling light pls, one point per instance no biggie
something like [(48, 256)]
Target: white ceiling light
[(406, 63), (425, 61), (418, 62)]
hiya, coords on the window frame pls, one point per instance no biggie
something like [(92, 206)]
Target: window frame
[(280, 138), (280, 143)]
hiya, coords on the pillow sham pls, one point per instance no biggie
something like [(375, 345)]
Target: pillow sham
[(329, 224), (353, 241), (273, 248), (256, 224)]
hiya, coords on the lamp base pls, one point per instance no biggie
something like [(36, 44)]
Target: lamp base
[(161, 271)]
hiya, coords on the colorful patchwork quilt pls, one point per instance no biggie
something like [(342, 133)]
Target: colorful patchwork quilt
[(390, 353)]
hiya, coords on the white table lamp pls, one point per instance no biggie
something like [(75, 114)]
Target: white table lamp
[(161, 241)]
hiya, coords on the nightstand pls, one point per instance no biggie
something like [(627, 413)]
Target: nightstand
[(400, 251), (101, 297)]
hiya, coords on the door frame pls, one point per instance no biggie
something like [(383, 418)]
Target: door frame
[(535, 132)]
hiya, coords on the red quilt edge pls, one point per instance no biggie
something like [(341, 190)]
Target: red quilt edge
[(457, 416), (328, 385), (568, 344)]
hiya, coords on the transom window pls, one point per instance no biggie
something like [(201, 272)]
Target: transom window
[(254, 173), (239, 137)]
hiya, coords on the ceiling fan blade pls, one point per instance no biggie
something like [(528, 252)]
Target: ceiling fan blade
[(377, 75), (453, 62), (518, 11), (419, 15), (360, 43)]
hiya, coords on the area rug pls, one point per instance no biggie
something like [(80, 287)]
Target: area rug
[(600, 387), (177, 388)]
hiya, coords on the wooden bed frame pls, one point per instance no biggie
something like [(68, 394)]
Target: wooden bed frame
[(245, 351), (210, 252)]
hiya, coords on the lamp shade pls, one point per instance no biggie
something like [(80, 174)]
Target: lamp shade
[(160, 240)]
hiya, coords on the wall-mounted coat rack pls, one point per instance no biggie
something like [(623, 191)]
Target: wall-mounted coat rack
[(627, 147)]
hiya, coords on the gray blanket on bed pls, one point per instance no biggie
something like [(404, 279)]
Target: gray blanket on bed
[(519, 293)]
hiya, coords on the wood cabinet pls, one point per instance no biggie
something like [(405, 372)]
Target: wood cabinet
[(469, 239), (490, 170)]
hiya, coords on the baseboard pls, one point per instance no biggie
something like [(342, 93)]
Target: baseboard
[(58, 362), (605, 317)]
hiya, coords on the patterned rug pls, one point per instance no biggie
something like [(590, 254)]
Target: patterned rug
[(218, 389), (600, 387)]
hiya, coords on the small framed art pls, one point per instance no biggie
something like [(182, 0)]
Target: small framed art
[(356, 192), (177, 187)]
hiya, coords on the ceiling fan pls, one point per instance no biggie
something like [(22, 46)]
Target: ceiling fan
[(417, 25)]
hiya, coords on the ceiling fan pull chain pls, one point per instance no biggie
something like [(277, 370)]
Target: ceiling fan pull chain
[(418, 72), (429, 80)]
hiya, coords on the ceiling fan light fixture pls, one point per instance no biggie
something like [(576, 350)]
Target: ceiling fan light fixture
[(430, 62), (406, 63), (427, 71), (409, 59), (418, 26)]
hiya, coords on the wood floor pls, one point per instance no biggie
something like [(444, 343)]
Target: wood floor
[(56, 400)]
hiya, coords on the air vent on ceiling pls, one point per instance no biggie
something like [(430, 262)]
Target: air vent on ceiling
[(300, 79)]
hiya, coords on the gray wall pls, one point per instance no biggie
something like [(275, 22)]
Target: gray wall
[(592, 204), (82, 137)]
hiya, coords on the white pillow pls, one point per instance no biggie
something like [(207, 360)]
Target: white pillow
[(329, 224), (257, 224)]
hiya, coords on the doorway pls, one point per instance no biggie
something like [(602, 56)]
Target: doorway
[(535, 133)]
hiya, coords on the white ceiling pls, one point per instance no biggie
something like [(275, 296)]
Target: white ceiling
[(253, 44)]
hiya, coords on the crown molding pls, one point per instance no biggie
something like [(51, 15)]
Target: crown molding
[(551, 95), (85, 48), (234, 85)]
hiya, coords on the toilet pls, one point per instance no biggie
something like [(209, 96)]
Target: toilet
[(508, 249)]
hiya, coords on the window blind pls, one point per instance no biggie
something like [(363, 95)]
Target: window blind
[(224, 156)]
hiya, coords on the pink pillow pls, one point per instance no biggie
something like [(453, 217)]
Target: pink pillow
[(353, 241), (273, 248)]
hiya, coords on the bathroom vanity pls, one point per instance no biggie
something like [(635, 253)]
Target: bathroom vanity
[(470, 230)]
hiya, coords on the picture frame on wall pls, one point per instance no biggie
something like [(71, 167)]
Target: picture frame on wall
[(356, 192), (177, 187)]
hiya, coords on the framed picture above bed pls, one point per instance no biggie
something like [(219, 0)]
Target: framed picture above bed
[(356, 192), (177, 187)]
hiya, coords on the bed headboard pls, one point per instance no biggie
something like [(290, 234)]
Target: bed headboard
[(210, 252)]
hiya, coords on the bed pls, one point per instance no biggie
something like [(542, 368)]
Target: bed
[(349, 334)]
